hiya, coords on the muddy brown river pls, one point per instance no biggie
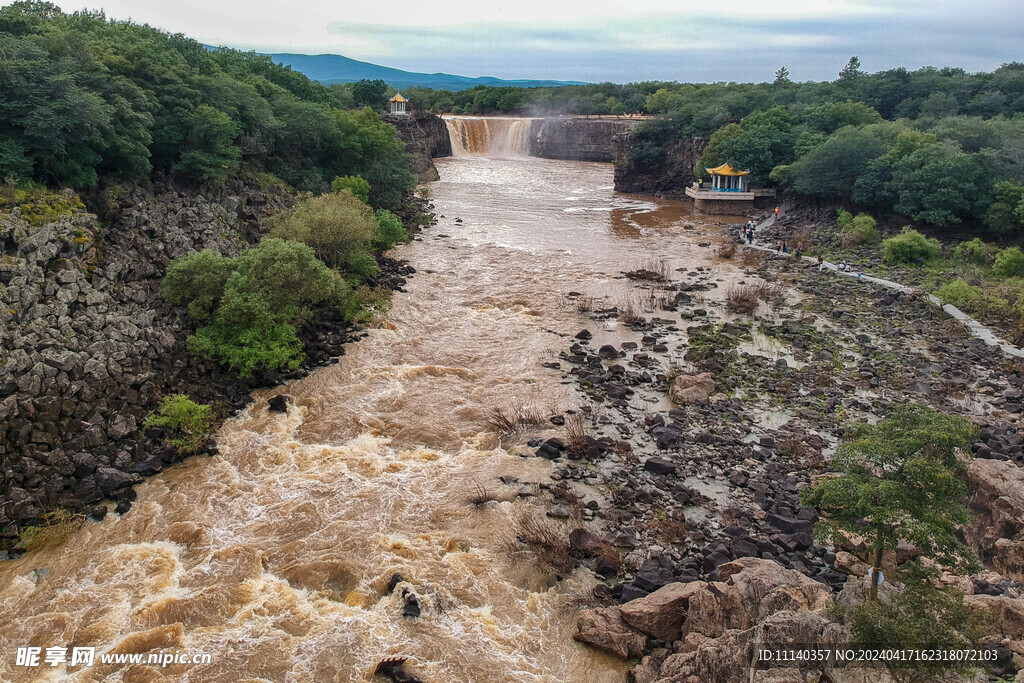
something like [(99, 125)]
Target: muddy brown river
[(274, 556)]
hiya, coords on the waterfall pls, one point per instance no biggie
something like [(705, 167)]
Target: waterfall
[(489, 136)]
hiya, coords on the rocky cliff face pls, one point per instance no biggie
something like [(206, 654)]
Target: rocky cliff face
[(577, 139), (666, 175), (87, 346), (426, 138)]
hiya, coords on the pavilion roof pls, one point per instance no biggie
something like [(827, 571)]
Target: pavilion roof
[(725, 169), (398, 98)]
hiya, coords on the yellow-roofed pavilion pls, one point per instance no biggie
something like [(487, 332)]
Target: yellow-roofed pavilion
[(725, 178), (397, 104)]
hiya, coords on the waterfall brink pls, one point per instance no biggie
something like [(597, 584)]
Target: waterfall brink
[(489, 136)]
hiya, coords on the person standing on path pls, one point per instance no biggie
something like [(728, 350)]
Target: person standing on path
[(776, 212)]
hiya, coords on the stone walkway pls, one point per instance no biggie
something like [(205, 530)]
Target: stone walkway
[(973, 326)]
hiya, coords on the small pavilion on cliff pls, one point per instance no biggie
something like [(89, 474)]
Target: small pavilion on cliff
[(396, 105), (725, 178), (730, 192)]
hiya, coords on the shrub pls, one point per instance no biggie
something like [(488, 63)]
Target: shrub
[(858, 230), (972, 299), (359, 188), (251, 304), (975, 251), (744, 298), (390, 230), (187, 421), (1009, 263), (844, 219), (910, 246), (337, 226), (921, 616)]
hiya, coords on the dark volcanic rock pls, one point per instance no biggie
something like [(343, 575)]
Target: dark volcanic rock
[(279, 403), (657, 465)]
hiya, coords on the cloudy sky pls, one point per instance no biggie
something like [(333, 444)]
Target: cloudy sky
[(595, 40)]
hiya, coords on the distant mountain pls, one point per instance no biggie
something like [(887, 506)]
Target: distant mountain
[(337, 69)]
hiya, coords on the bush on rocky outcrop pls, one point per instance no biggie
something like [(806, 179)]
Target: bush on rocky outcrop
[(910, 246), (187, 423), (250, 320), (390, 230), (338, 226), (973, 300), (975, 251), (859, 229)]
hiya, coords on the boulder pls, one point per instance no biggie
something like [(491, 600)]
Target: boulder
[(688, 389), (657, 465), (750, 590), (279, 403), (661, 613), (997, 500), (605, 630), (1007, 614), (110, 480)]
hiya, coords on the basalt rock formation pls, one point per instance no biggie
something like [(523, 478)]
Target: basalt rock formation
[(667, 176), (577, 139), (88, 347), (426, 138)]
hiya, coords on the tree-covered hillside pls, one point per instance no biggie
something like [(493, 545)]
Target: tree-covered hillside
[(940, 146), (82, 97)]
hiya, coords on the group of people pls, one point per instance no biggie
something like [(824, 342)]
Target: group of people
[(749, 231), (841, 267), (782, 247)]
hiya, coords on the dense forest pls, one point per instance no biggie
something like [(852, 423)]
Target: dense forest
[(82, 98)]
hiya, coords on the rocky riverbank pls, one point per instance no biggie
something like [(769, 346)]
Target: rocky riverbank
[(89, 347), (698, 427)]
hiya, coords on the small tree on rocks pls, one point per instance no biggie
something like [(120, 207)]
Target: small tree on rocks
[(899, 480)]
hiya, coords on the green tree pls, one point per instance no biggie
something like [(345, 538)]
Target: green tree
[(273, 287), (715, 152), (390, 230), (782, 76), (901, 479), (372, 94), (209, 153), (831, 168), (940, 185), (852, 71), (197, 281), (1002, 217), (829, 117)]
